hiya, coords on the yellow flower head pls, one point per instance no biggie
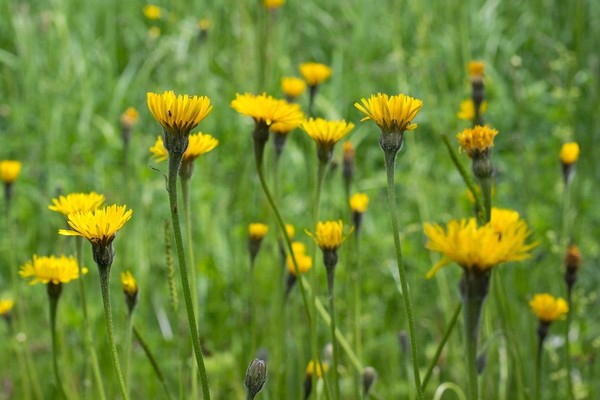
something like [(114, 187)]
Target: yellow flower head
[(467, 109), (304, 261), (265, 109), (548, 308), (475, 68), (51, 269), (130, 286), (393, 114), (326, 133), (204, 24), (479, 248), (477, 141), (569, 153), (257, 231), (290, 231), (178, 114), (320, 369), (129, 117), (99, 226), (273, 4), (573, 258), (292, 86), (348, 151), (359, 202), (152, 12), (77, 202), (199, 144), (503, 220), (329, 235), (6, 306), (9, 171), (314, 73)]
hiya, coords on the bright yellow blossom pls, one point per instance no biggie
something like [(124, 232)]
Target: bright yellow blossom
[(257, 231), (152, 12), (199, 144), (475, 68), (329, 235), (326, 133), (129, 117), (273, 4), (467, 109), (290, 231), (477, 141), (9, 171), (569, 153), (204, 24), (548, 308), (304, 261), (393, 114), (314, 73), (320, 369), (6, 306), (292, 86), (180, 114), (77, 202), (99, 226), (51, 269), (359, 202), (130, 286), (265, 109)]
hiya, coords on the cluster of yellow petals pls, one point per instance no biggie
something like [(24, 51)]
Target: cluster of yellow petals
[(178, 114), (314, 73), (204, 24), (292, 86), (393, 114), (548, 308), (129, 117), (290, 231), (569, 153), (198, 144), (77, 202), (320, 369), (257, 231), (275, 113), (99, 226), (273, 4), (130, 286), (6, 306), (51, 269), (304, 261), (359, 202), (480, 247), (476, 68), (329, 235), (477, 141), (326, 133), (10, 170), (467, 109), (152, 12)]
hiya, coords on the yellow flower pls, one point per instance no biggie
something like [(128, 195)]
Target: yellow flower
[(359, 202), (475, 68), (477, 141), (314, 73), (99, 226), (292, 86), (467, 109), (290, 231), (152, 12), (304, 261), (392, 113), (130, 286), (326, 133), (199, 144), (479, 247), (320, 369), (257, 231), (51, 269), (77, 202), (6, 306), (328, 235), (548, 308), (129, 117), (204, 24), (348, 151), (178, 114), (569, 153), (273, 4), (9, 171), (264, 108), (573, 258)]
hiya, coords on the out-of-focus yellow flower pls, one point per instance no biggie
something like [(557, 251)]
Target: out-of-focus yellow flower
[(130, 286), (129, 117), (9, 171), (99, 226), (199, 144), (573, 258), (319, 370), (152, 12), (359, 202), (273, 4), (476, 68), (304, 261), (477, 141), (154, 32), (265, 109), (314, 73), (290, 231), (467, 109), (77, 202), (180, 114), (6, 306), (51, 269), (569, 153), (329, 235), (257, 231), (393, 114), (548, 308), (204, 24), (292, 86)]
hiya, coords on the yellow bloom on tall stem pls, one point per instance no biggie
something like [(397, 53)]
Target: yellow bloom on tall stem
[(329, 235), (476, 68), (77, 202), (51, 269), (326, 134), (6, 305), (477, 142), (199, 144), (304, 260), (292, 87), (130, 289), (548, 308), (152, 12), (314, 73), (569, 153), (273, 4), (467, 110), (9, 171), (359, 202), (265, 109), (98, 226)]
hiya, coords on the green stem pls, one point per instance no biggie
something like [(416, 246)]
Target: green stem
[(486, 188), (128, 345), (86, 324), (152, 360), (355, 267), (538, 369), (390, 163), (53, 306), (330, 286), (104, 271), (174, 163), (440, 347), (568, 366)]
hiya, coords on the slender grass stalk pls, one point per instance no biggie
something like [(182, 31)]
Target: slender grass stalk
[(355, 267), (538, 369), (152, 360), (174, 164), (565, 239), (440, 348), (104, 271), (330, 285), (53, 296), (390, 163), (128, 345)]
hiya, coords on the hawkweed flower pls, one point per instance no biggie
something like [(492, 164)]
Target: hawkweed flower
[(314, 74), (6, 306), (199, 144), (317, 369), (76, 202), (569, 153), (273, 5), (128, 119), (130, 289), (204, 25), (256, 376), (303, 261), (256, 234), (326, 134), (572, 264), (358, 205), (292, 87), (348, 166), (476, 70), (152, 12), (290, 232), (9, 172), (369, 377), (467, 110)]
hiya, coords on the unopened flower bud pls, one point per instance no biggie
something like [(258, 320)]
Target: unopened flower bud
[(256, 376), (369, 377)]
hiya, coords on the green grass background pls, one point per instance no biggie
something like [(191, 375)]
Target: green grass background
[(68, 69)]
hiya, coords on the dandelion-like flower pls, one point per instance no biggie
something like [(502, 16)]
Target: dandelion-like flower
[(292, 87), (51, 269), (265, 109), (257, 231), (290, 231), (569, 153), (273, 4), (316, 368), (548, 308), (304, 261), (476, 68), (152, 12), (477, 142), (130, 289), (326, 134), (467, 110), (359, 202), (9, 171), (328, 235), (199, 144), (314, 73), (77, 202), (6, 305), (129, 117)]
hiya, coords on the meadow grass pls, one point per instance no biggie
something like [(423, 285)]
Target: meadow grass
[(68, 69)]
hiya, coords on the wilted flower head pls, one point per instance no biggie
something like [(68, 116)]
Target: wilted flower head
[(9, 171), (77, 202), (178, 115), (548, 308), (52, 269), (314, 73)]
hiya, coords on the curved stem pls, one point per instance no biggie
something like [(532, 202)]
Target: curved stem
[(53, 306), (152, 359), (104, 288), (174, 163), (390, 163), (330, 285)]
